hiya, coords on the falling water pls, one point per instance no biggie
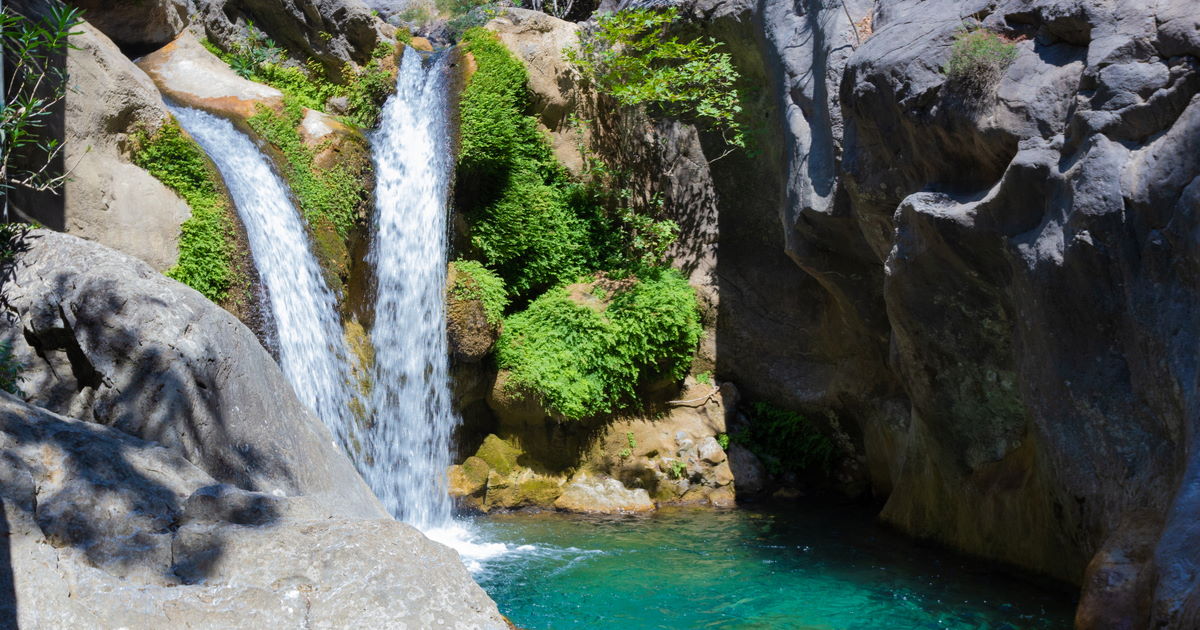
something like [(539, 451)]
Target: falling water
[(408, 448), (312, 351)]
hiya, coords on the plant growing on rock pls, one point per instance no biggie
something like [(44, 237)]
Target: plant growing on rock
[(206, 238), (587, 359), (978, 58), (636, 57), (476, 282), (36, 83), (10, 369)]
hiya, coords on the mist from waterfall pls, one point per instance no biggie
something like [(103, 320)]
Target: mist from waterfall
[(312, 351), (408, 447)]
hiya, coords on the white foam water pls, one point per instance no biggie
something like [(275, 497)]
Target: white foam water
[(312, 351)]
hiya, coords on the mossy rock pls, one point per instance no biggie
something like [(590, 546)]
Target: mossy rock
[(499, 455), (476, 470), (462, 484), (536, 492)]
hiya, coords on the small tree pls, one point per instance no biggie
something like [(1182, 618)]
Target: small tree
[(633, 56)]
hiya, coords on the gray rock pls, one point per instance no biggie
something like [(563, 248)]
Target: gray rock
[(105, 530), (140, 26), (749, 475), (107, 198), (333, 32), (107, 339)]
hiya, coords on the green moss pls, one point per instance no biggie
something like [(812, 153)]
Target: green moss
[(499, 455), (473, 281), (476, 470), (583, 361), (335, 194), (206, 239)]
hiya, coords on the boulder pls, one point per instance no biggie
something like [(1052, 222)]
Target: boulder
[(190, 75), (538, 40), (137, 26), (101, 529), (108, 199), (602, 495), (333, 32), (105, 338), (470, 335), (749, 474)]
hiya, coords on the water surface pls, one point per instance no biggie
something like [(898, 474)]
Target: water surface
[(820, 568)]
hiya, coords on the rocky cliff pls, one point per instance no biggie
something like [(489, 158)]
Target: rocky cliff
[(992, 292)]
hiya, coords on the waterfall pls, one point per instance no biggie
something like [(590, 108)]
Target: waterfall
[(408, 446), (312, 350)]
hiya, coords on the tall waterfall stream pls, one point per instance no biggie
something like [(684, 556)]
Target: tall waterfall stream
[(312, 349)]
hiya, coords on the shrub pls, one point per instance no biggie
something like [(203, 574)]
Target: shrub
[(530, 221), (476, 282), (36, 83), (584, 361), (978, 58), (514, 192), (633, 56), (785, 441), (365, 89), (335, 194), (206, 238)]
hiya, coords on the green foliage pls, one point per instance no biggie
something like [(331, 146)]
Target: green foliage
[(257, 58), (704, 378), (205, 242), (633, 56), (629, 439), (476, 282), (978, 58), (10, 369), (676, 468), (530, 221), (625, 452), (36, 83), (583, 361), (723, 440), (785, 441), (333, 194)]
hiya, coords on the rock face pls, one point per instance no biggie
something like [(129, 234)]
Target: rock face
[(333, 32), (994, 291), (107, 339), (104, 530), (137, 26), (1026, 254), (107, 198), (585, 494), (190, 75)]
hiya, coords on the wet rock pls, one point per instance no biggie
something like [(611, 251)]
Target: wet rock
[(190, 75)]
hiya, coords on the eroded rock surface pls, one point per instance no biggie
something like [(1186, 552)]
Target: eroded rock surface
[(190, 75), (105, 530), (107, 339)]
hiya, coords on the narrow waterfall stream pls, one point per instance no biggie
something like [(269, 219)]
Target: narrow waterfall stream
[(312, 350), (408, 448)]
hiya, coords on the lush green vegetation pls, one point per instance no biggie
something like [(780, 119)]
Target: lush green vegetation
[(785, 441), (364, 90), (584, 359), (36, 84), (530, 221), (637, 57), (205, 244), (978, 58), (331, 194), (473, 281)]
